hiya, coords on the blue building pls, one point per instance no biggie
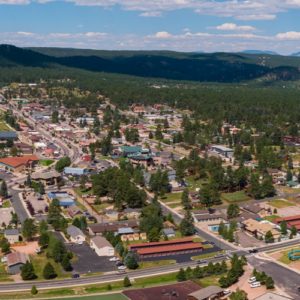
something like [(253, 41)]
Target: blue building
[(74, 171)]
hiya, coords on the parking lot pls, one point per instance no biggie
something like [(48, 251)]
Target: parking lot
[(89, 261), (248, 241), (7, 176), (5, 215)]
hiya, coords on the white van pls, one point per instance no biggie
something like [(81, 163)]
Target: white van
[(255, 284), (252, 279)]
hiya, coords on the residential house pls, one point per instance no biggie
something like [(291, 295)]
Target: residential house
[(254, 208), (132, 213), (75, 234), (15, 261), (112, 214), (209, 293), (259, 229), (169, 232), (12, 235), (99, 229), (168, 224), (126, 231), (102, 246), (222, 150), (75, 211), (293, 184)]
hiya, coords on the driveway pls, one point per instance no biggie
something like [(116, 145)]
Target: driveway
[(89, 261), (247, 241)]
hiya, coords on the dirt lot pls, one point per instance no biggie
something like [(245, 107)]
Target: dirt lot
[(183, 289), (29, 248), (5, 215), (283, 212)]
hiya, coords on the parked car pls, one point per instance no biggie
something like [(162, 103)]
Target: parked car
[(114, 259), (38, 251), (119, 264), (255, 284), (226, 292), (253, 251), (79, 242), (120, 272), (252, 279), (201, 261), (75, 276), (122, 268)]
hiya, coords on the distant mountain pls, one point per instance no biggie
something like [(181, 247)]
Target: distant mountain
[(295, 54), (258, 52)]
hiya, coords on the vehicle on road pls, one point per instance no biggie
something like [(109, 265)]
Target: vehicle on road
[(226, 292), (255, 284), (119, 264), (122, 268), (120, 272), (79, 242), (252, 279), (75, 276), (201, 261), (212, 243), (253, 251), (114, 259), (219, 255)]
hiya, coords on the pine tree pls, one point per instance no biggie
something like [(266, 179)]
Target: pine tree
[(269, 283), (185, 199), (290, 164), (289, 175), (3, 190), (58, 251), (283, 227), (44, 239), (27, 271), (294, 230), (187, 224), (181, 276), (189, 273), (43, 227), (126, 282), (198, 272), (83, 223), (130, 261), (29, 229), (28, 180), (33, 290), (49, 272), (221, 227), (41, 188), (76, 222), (65, 263)]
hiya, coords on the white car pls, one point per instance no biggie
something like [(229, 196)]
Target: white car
[(38, 251), (79, 242), (226, 292), (255, 284), (114, 259), (122, 268)]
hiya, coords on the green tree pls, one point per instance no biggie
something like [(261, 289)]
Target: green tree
[(49, 271), (44, 239), (238, 295), (189, 273), (198, 272), (54, 117), (126, 282), (33, 290), (221, 227), (187, 227), (83, 223), (130, 261), (269, 283), (43, 227), (289, 175), (269, 237), (181, 276), (233, 210), (3, 190), (154, 235), (27, 271), (290, 164), (185, 199), (65, 263), (283, 227), (76, 222), (28, 180), (294, 230), (29, 229), (5, 246), (41, 188), (58, 251)]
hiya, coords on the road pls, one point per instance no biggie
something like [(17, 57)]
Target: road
[(286, 279)]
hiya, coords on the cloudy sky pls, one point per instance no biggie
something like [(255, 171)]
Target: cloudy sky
[(180, 25)]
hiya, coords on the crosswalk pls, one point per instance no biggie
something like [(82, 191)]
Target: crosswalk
[(230, 253)]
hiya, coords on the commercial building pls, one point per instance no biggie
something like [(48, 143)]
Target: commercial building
[(15, 261), (64, 198), (290, 221), (102, 247), (8, 135), (259, 229), (74, 171), (18, 164), (222, 150), (46, 177)]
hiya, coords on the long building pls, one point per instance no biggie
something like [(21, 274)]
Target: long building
[(17, 164), (290, 221)]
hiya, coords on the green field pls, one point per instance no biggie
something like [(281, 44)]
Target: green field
[(4, 127), (80, 191), (237, 196), (46, 162), (171, 197), (116, 296), (280, 203), (174, 205), (155, 264), (100, 207), (6, 204), (271, 218)]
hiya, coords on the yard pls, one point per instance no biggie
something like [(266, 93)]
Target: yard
[(280, 203), (4, 127), (193, 184), (171, 197), (155, 264), (174, 205), (271, 218), (79, 191), (237, 196), (100, 207), (210, 280), (4, 277), (81, 206), (6, 204), (46, 162)]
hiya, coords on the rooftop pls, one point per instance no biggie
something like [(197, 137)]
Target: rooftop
[(101, 242), (16, 258)]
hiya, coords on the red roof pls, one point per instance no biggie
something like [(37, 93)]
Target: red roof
[(189, 246), (48, 151), (293, 218), (292, 223), (17, 161), (172, 242)]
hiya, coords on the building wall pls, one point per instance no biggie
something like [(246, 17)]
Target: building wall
[(15, 269), (12, 238), (161, 254), (104, 251), (78, 238)]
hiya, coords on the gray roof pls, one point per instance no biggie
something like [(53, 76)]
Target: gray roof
[(206, 292), (168, 231), (252, 207), (125, 231), (8, 134), (272, 296), (129, 210), (101, 242), (11, 232), (45, 175), (222, 148), (73, 231)]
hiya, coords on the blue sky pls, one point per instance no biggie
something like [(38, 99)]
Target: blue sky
[(180, 25)]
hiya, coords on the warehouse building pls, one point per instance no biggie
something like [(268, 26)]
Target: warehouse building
[(8, 135), (222, 150)]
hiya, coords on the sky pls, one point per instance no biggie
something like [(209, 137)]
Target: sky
[(178, 25)]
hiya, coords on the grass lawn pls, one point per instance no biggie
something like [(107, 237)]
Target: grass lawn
[(204, 256), (280, 203), (210, 280), (103, 157), (99, 207), (174, 205), (6, 204), (285, 257), (4, 127), (155, 264), (171, 197), (39, 261), (194, 184), (207, 246), (271, 218), (152, 127), (80, 191), (81, 206), (231, 197), (4, 277), (46, 162)]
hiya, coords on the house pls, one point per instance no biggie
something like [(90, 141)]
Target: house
[(48, 152), (293, 184), (102, 246), (132, 213), (254, 208), (169, 232), (75, 234), (222, 150), (12, 235), (15, 261), (206, 216), (8, 135), (112, 214), (127, 230), (18, 164), (272, 296), (137, 159), (126, 150), (171, 175), (86, 158), (75, 211), (99, 229), (133, 225), (209, 293), (259, 229), (290, 222), (168, 224)]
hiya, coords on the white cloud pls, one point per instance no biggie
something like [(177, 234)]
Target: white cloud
[(93, 34), (186, 30), (291, 35), (233, 27), (25, 33), (15, 2), (59, 35), (161, 34), (255, 17), (80, 26), (154, 14)]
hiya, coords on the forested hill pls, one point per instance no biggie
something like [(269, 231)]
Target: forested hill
[(217, 67)]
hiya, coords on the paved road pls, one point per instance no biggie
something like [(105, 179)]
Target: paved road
[(286, 279)]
